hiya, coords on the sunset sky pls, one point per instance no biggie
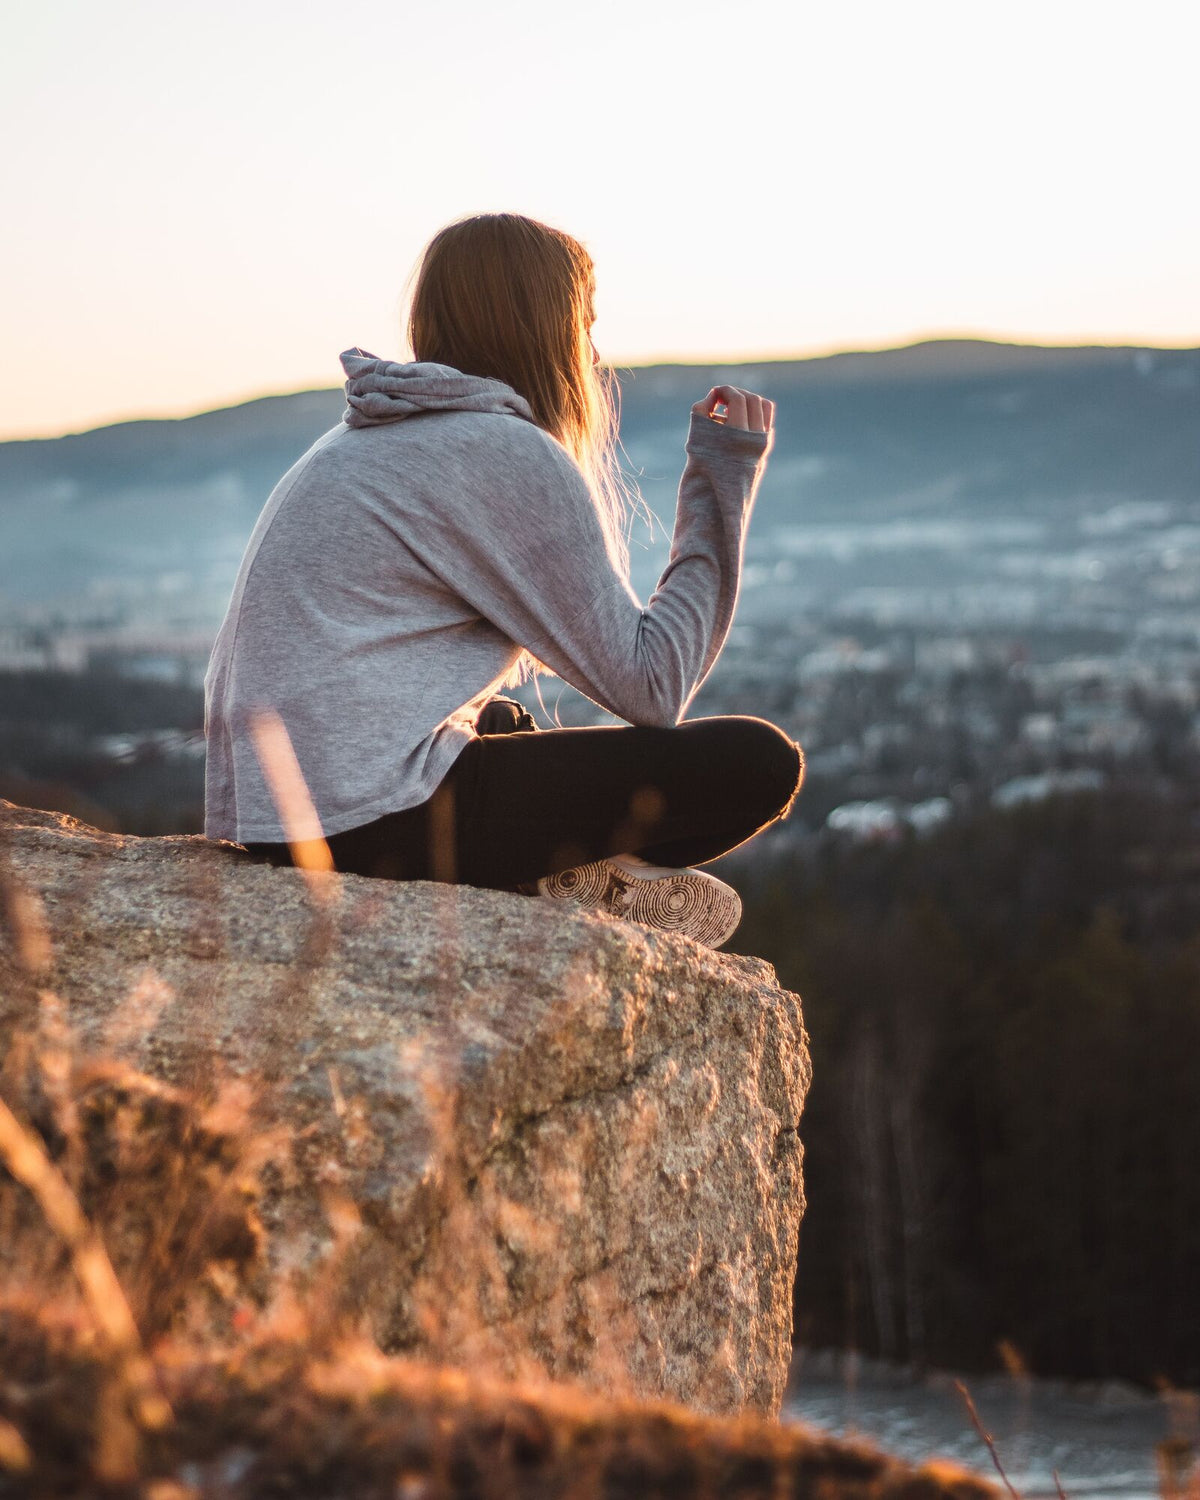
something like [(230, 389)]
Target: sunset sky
[(207, 202)]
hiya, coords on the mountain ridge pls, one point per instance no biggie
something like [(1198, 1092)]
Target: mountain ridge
[(1007, 354), (941, 428)]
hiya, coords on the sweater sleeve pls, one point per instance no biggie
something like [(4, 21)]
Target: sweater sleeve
[(531, 557)]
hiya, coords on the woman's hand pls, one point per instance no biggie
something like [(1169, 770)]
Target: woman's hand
[(742, 409)]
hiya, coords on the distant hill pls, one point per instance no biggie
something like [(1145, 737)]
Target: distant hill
[(946, 427), (940, 426)]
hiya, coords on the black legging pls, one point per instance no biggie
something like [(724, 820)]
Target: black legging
[(524, 802)]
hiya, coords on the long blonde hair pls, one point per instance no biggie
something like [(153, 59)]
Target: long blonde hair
[(510, 298)]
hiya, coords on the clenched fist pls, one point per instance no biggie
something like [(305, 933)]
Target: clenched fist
[(742, 408)]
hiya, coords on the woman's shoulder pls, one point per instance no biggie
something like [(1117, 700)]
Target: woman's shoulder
[(497, 443), (458, 459), (512, 433)]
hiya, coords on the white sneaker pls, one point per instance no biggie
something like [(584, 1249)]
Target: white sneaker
[(686, 901)]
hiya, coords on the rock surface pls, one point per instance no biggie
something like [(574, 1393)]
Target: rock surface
[(569, 1144)]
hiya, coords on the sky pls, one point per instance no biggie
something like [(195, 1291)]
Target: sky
[(208, 201)]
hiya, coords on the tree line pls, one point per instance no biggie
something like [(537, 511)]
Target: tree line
[(1002, 1140)]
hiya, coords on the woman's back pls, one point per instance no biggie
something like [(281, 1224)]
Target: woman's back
[(341, 619)]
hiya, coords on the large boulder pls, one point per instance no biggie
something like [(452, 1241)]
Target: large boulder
[(563, 1144)]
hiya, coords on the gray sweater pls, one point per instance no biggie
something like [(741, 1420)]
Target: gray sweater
[(400, 564)]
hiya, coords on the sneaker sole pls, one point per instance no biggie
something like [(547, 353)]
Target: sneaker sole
[(691, 903)]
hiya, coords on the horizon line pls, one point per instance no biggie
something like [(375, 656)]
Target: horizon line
[(832, 351)]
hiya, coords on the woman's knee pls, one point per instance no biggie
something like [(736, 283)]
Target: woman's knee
[(766, 760), (778, 763)]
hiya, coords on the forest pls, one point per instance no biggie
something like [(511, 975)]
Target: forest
[(1002, 1134)]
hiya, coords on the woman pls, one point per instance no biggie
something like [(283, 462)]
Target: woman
[(460, 529)]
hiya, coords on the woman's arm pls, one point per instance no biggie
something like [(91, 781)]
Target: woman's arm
[(527, 550), (724, 468)]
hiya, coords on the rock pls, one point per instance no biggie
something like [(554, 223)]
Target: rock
[(540, 1141)]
